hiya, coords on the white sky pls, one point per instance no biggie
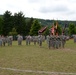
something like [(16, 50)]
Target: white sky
[(44, 9)]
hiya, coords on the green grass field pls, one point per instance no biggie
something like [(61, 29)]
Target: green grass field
[(37, 58)]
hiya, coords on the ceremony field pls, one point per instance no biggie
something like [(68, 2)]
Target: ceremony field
[(35, 60)]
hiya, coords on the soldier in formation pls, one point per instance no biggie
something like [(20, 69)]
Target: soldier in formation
[(55, 41), (74, 38), (19, 39), (0, 40), (28, 40)]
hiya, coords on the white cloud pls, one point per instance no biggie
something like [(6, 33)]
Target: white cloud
[(46, 9)]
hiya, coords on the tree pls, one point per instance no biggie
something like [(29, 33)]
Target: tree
[(35, 27), (7, 23), (59, 30), (72, 29), (13, 33), (47, 31), (28, 25), (20, 23)]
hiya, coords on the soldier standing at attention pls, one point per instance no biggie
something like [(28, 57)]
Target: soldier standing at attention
[(4, 40), (63, 40), (40, 40), (28, 40), (48, 40), (10, 39), (20, 38), (57, 42), (0, 40), (74, 38)]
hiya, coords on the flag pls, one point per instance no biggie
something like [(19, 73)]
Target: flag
[(42, 29), (56, 25), (53, 30), (56, 28)]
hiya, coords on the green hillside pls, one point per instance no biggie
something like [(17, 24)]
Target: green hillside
[(47, 22)]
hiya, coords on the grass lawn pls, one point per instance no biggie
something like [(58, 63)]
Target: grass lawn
[(35, 58)]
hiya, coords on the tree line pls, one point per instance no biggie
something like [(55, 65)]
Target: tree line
[(19, 24)]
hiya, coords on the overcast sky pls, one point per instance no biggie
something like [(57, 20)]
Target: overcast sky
[(44, 9)]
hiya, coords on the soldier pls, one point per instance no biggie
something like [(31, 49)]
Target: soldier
[(74, 38), (57, 42), (51, 41), (28, 40), (48, 40), (63, 40), (0, 40), (20, 38), (10, 39), (3, 40), (34, 39), (54, 41), (40, 40)]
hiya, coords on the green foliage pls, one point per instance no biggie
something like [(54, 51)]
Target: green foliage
[(7, 23), (72, 29), (13, 32), (19, 22), (23, 25), (35, 27), (46, 32), (28, 25), (59, 30)]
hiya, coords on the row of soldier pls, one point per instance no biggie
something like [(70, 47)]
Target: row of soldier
[(8, 40), (4, 40), (55, 41), (52, 41)]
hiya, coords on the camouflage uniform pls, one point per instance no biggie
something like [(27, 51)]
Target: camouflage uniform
[(4, 40), (28, 40), (48, 41), (57, 42), (54, 42), (40, 40), (20, 38), (63, 40), (0, 40)]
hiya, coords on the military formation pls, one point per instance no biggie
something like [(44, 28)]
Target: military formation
[(54, 42), (6, 40)]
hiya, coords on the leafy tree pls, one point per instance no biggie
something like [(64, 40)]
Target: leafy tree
[(35, 27), (28, 25), (7, 23), (59, 30), (47, 31), (72, 29), (19, 23), (13, 32)]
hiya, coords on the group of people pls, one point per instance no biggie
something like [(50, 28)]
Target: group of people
[(55, 41), (6, 40), (52, 41)]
